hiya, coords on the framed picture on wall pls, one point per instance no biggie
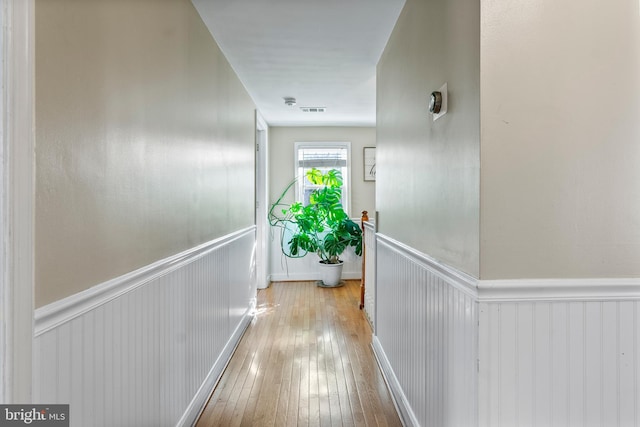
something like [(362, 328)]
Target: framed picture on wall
[(369, 163)]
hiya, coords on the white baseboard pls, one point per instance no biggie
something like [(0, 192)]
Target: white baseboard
[(400, 401), (148, 347), (199, 401), (302, 277), (538, 351), (426, 336)]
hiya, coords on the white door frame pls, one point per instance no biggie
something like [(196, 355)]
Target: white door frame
[(17, 200), (262, 201)]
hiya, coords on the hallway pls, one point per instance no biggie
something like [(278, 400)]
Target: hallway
[(507, 231), (304, 360)]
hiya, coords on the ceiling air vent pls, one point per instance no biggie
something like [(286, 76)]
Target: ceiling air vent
[(313, 109)]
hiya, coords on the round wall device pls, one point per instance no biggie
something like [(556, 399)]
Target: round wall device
[(435, 103)]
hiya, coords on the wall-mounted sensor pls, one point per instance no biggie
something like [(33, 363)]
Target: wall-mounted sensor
[(435, 103), (438, 102)]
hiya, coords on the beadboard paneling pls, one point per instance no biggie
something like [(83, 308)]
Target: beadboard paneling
[(369, 240), (149, 353), (426, 337), (560, 363), (547, 352)]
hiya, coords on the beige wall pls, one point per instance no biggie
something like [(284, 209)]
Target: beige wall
[(428, 172), (560, 84), (281, 159), (144, 140)]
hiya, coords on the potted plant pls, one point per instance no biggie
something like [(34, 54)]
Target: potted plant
[(321, 227)]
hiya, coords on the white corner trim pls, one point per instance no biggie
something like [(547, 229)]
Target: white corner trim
[(66, 309), (454, 277), (400, 401), (18, 200), (559, 290)]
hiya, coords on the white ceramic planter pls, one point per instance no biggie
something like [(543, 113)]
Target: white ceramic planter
[(330, 274)]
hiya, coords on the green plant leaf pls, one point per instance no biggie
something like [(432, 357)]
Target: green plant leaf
[(333, 178), (322, 227), (295, 207), (334, 244), (315, 176)]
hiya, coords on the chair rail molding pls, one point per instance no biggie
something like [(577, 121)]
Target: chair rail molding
[(458, 279), (426, 336), (456, 350), (147, 348), (54, 314), (612, 289)]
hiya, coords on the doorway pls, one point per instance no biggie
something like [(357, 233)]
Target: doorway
[(262, 201)]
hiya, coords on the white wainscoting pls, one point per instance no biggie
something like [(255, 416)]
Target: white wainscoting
[(457, 351), (560, 353), (297, 269), (369, 242), (146, 349), (426, 336)]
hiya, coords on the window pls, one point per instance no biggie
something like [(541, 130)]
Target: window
[(323, 156)]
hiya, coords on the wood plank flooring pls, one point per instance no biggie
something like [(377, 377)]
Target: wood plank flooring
[(305, 360)]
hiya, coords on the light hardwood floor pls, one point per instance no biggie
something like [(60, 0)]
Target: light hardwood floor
[(305, 360)]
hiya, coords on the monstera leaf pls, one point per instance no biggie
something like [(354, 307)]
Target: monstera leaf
[(322, 226)]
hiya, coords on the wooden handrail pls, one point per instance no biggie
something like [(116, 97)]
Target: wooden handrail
[(365, 218)]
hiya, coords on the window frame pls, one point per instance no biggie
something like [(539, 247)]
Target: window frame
[(346, 177)]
